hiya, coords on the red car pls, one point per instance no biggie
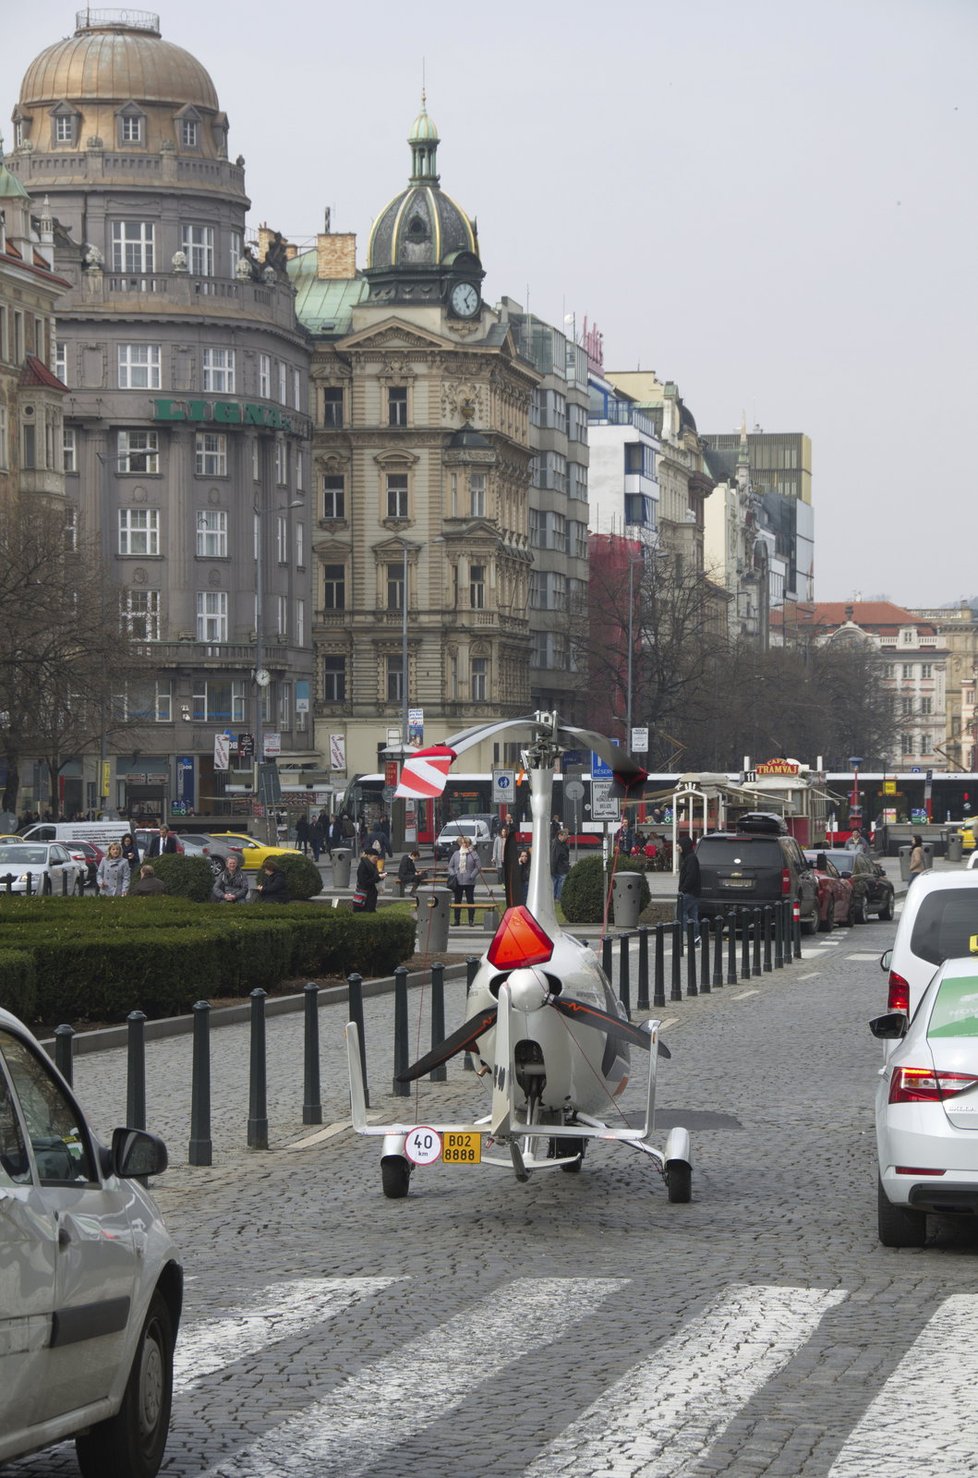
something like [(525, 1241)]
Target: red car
[(836, 902)]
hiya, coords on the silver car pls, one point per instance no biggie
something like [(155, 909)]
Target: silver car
[(90, 1286), (40, 868)]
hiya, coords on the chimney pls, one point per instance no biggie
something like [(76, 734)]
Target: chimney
[(336, 255), (848, 613)]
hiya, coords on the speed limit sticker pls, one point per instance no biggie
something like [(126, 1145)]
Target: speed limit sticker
[(423, 1145)]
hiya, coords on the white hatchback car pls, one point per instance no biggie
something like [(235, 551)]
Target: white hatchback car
[(927, 1107), (448, 838), (40, 868), (90, 1286), (939, 922)]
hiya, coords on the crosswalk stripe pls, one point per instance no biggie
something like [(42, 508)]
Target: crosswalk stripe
[(924, 1403), (281, 1311), (353, 1427), (665, 1413)]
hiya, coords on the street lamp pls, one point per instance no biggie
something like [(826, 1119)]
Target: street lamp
[(260, 674), (632, 562), (855, 809)]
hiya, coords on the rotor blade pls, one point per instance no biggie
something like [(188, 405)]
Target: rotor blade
[(603, 1021), (465, 738), (459, 1041), (629, 776)]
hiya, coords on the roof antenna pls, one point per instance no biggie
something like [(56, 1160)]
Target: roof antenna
[(424, 89)]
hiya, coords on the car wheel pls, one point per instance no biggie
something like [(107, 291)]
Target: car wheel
[(851, 915), (131, 1443), (216, 866), (886, 912), (395, 1175), (810, 926), (861, 915), (824, 925), (897, 1226), (679, 1181)]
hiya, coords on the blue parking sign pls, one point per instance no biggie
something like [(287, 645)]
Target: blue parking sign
[(600, 769)]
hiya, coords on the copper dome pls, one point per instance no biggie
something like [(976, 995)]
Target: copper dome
[(108, 61)]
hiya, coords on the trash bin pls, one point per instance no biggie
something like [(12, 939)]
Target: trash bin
[(483, 848), (954, 848), (928, 856), (341, 867), (627, 899), (904, 855), (432, 931)]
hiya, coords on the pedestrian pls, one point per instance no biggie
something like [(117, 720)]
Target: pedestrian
[(918, 862), (148, 882), (164, 841), (499, 849), (365, 896), (316, 838), (559, 861), (131, 853), (337, 835), (378, 841), (523, 867), (302, 830), (688, 899), (114, 876), (230, 885), (272, 886), (408, 874), (463, 869)]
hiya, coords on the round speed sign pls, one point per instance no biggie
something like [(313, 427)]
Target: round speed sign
[(423, 1145)]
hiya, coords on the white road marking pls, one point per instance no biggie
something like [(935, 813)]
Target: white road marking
[(375, 1411), (742, 995), (665, 1413), (926, 1398), (812, 975), (864, 957), (279, 1312)]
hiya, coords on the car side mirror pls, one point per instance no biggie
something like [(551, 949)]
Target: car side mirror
[(890, 1027), (886, 959), (136, 1153)]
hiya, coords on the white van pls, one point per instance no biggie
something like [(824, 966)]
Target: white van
[(100, 833), (939, 922)]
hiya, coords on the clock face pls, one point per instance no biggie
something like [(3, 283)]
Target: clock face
[(465, 300), (263, 677)]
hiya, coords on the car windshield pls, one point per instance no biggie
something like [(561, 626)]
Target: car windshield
[(946, 926), (23, 854), (844, 861), (955, 1012), (462, 828)]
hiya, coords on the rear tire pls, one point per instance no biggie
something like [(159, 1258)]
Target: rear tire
[(886, 912), (851, 915), (395, 1175), (825, 925), (679, 1181), (861, 915), (131, 1443), (898, 1227)]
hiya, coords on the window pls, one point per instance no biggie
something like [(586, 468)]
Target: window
[(139, 531), (219, 371), (477, 587), (480, 678), (333, 499), (265, 376), (281, 463), (906, 744), (3, 436), (397, 495), (235, 252), (395, 586), (64, 128), (334, 679), (285, 706), (61, 360), (334, 591), (926, 706), (333, 408), (213, 700), (198, 245), (131, 129), (578, 481), (150, 701), (281, 615), (188, 133), (4, 325), (926, 670), (212, 615), (397, 406), (577, 423), (61, 1144), (282, 383), (212, 533), (908, 669), (925, 744), (139, 367), (282, 539), (300, 546), (577, 539), (133, 246), (140, 613), (138, 451), (300, 623), (300, 479), (639, 458), (212, 454), (255, 460), (394, 679), (297, 390), (477, 494)]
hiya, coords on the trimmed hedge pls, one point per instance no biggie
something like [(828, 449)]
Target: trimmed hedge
[(302, 875), (99, 960), (184, 877), (586, 888)]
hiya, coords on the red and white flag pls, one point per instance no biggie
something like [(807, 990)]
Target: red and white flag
[(425, 773)]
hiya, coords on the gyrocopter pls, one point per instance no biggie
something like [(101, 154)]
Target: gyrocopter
[(542, 1017)]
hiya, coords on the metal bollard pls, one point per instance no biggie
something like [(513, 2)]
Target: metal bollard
[(768, 932), (704, 957), (257, 1097), (136, 1071), (606, 964), (312, 1106), (471, 970), (440, 1073), (676, 994), (718, 952), (691, 960), (624, 974), (643, 968), (778, 936), (64, 884), (756, 926), (401, 1090), (745, 947), (732, 949), (9, 880), (659, 999), (355, 987), (63, 1052), (200, 1150), (28, 893), (796, 932)]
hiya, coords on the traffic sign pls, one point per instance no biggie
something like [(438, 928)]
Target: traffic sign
[(503, 786), (600, 769)]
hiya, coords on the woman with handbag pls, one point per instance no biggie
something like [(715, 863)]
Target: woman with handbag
[(365, 897), (463, 869)]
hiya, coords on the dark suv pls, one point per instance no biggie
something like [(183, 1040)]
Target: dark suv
[(757, 864)]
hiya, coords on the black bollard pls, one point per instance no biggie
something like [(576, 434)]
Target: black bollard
[(756, 926), (768, 933), (659, 998), (401, 1090), (718, 952), (9, 880), (355, 986), (440, 1073), (643, 968), (704, 957), (64, 884), (312, 1107), (200, 1150), (691, 960), (63, 1053), (606, 964), (778, 936), (471, 970), (136, 1071), (676, 994), (257, 1099), (624, 974), (796, 932), (28, 891), (732, 949)]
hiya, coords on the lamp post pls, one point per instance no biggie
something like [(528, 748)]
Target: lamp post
[(632, 562), (855, 809), (261, 677)]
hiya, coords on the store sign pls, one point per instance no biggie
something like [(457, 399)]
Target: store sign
[(227, 413), (337, 751), (273, 745), (222, 752), (778, 767)]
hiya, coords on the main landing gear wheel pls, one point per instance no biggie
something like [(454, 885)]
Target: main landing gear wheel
[(679, 1181), (395, 1175), (560, 1147)]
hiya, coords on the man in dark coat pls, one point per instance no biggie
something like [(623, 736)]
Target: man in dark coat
[(164, 841), (559, 861), (688, 899)]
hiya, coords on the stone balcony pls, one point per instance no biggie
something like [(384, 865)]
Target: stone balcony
[(151, 294)]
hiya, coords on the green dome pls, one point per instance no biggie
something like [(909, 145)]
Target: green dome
[(423, 130), (10, 186)]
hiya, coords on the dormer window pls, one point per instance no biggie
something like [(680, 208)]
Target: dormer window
[(64, 124), (130, 125), (188, 132), (417, 228)]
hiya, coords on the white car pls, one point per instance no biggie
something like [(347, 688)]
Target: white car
[(90, 1287), (448, 838), (939, 922), (973, 859), (42, 867), (927, 1107)]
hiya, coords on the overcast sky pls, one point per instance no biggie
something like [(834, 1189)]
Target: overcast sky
[(772, 203)]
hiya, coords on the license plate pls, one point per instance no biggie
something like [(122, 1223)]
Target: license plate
[(739, 883), (462, 1149)]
